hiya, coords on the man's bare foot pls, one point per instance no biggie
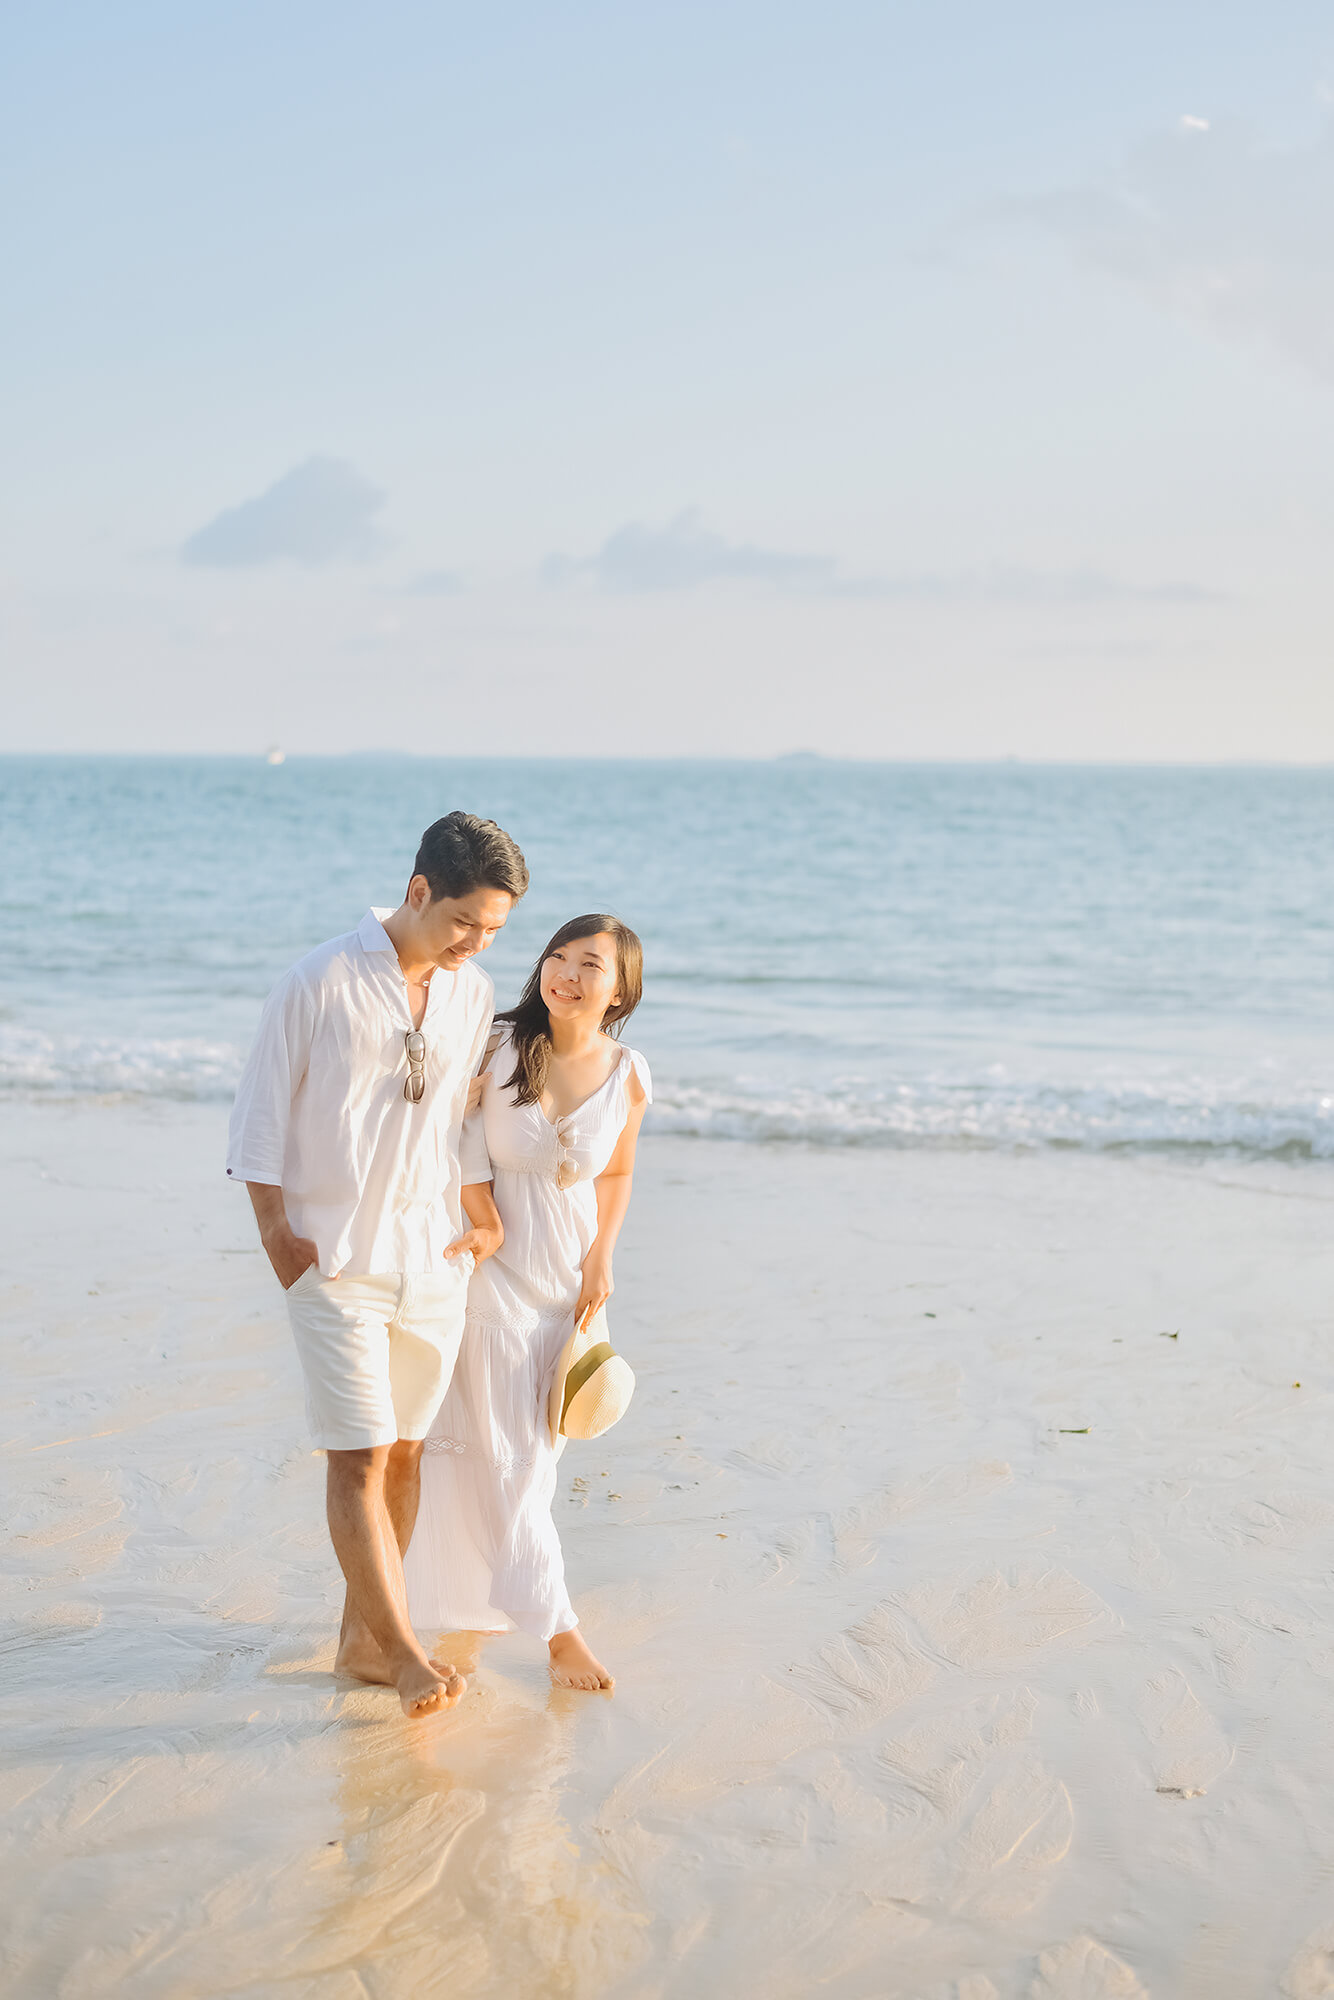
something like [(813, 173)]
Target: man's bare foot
[(422, 1691), (363, 1661), (573, 1666), (360, 1657)]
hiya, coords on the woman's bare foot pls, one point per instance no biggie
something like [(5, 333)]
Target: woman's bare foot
[(573, 1666)]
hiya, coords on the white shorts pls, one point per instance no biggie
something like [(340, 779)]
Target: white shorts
[(377, 1352)]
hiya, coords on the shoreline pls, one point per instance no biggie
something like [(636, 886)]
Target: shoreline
[(1212, 1157), (963, 1562)]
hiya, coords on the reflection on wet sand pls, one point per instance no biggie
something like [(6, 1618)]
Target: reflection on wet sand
[(459, 1854), (971, 1638)]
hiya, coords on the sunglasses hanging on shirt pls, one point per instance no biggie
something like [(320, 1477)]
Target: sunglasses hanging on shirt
[(414, 1084)]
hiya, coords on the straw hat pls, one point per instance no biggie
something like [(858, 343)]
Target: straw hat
[(592, 1385)]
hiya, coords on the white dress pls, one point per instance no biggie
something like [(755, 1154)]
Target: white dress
[(485, 1555)]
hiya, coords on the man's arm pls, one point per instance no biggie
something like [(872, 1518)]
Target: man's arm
[(257, 1140), (474, 1160), (288, 1253)]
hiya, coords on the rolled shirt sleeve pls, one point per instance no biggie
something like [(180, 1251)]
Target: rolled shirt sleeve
[(261, 1115), (474, 1159)]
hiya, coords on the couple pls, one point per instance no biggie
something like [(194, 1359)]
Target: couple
[(440, 1200)]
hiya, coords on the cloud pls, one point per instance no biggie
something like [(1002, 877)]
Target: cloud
[(685, 555), (1215, 228), (1002, 585), (434, 583), (682, 555), (320, 512)]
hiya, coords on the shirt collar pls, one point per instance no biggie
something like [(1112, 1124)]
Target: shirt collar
[(371, 933)]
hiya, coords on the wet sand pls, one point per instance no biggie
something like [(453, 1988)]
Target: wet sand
[(974, 1637)]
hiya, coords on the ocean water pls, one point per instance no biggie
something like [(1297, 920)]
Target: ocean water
[(1003, 956)]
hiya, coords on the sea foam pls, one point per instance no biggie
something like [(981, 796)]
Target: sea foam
[(1195, 1114)]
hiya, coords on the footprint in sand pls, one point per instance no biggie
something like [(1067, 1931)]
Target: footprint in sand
[(866, 1672), (1016, 1834), (1242, 1665), (1000, 1621), (1233, 1650), (939, 1759), (1084, 1970), (799, 1548), (976, 1824), (1133, 1557), (1188, 1748), (1311, 1974), (777, 1454), (1277, 1521), (854, 1681)]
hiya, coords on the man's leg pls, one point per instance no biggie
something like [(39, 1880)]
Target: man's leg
[(424, 1336), (366, 1543), (403, 1489), (402, 1495)]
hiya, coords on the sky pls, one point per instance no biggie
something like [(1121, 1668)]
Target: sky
[(929, 380)]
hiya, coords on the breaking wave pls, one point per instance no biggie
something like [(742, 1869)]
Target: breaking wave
[(1239, 1116)]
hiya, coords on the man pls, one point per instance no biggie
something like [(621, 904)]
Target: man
[(347, 1131)]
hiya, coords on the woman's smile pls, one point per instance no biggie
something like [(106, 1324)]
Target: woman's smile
[(581, 974)]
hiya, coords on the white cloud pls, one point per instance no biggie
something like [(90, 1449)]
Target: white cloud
[(685, 555), (1009, 585), (1216, 228), (434, 583), (682, 555), (321, 512)]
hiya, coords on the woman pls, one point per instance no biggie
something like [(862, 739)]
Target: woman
[(561, 1103)]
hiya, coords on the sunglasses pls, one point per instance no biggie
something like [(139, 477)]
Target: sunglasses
[(414, 1084), (567, 1167)]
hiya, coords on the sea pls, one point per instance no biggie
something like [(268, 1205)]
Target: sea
[(849, 954)]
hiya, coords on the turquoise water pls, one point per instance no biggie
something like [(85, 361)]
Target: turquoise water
[(867, 954)]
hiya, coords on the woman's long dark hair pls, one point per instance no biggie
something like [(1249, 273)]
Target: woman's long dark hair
[(529, 1022)]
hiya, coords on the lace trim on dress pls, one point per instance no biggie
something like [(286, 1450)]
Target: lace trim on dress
[(443, 1444), (528, 1322)]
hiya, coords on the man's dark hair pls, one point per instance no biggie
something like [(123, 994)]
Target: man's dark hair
[(461, 853)]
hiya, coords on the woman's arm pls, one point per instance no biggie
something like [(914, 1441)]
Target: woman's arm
[(613, 1188), (486, 1233)]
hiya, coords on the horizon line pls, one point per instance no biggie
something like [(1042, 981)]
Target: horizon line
[(796, 757)]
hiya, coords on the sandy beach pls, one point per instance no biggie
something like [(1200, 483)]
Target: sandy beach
[(964, 1562)]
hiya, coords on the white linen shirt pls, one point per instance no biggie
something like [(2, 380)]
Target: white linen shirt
[(320, 1112)]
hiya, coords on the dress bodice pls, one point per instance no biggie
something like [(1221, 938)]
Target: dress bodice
[(543, 1173), (568, 1151)]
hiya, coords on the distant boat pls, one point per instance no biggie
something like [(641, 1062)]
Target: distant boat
[(275, 756)]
